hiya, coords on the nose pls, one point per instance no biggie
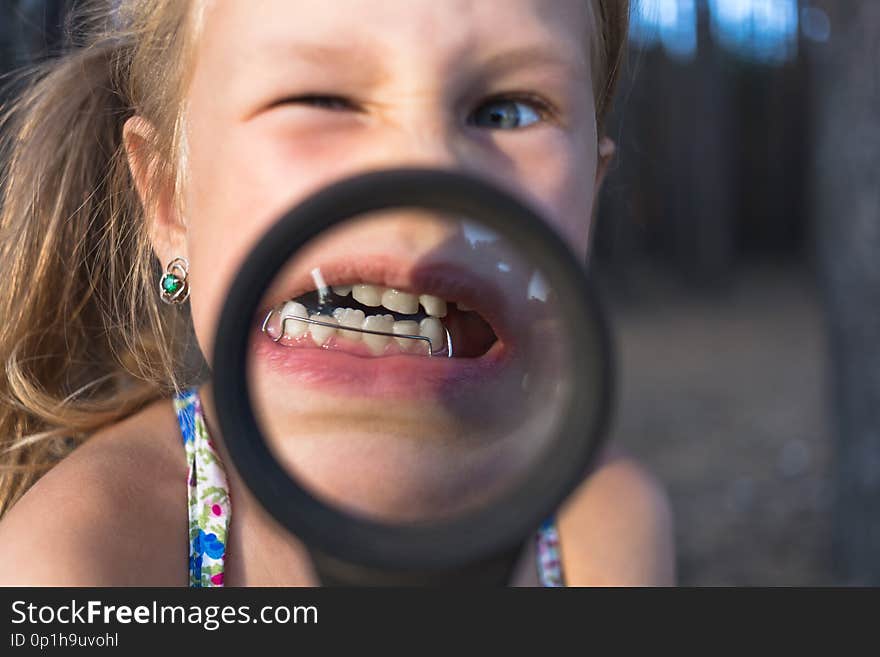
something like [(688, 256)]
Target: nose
[(423, 129), (426, 144), (427, 131)]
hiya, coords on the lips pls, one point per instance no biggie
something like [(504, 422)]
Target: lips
[(325, 353), (398, 377), (445, 280)]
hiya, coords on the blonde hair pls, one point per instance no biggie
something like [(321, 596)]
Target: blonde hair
[(84, 338)]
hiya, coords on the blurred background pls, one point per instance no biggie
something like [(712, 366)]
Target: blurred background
[(738, 247)]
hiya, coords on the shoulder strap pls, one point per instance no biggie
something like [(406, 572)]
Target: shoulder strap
[(549, 560), (207, 494)]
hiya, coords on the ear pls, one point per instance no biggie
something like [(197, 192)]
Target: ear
[(606, 154), (607, 148), (165, 227)]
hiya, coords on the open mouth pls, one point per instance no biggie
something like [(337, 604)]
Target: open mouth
[(376, 321), (380, 326)]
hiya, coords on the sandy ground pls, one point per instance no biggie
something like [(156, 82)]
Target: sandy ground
[(722, 395)]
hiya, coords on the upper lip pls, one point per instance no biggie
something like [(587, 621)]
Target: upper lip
[(442, 279)]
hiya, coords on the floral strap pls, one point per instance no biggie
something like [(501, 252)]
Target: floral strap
[(207, 494), (549, 562)]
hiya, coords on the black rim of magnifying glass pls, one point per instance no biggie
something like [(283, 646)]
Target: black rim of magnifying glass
[(447, 543)]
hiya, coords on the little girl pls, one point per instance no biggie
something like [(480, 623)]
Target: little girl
[(144, 164)]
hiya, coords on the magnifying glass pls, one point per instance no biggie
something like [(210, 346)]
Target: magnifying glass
[(411, 373)]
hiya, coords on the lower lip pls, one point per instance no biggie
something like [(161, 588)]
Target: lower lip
[(398, 377)]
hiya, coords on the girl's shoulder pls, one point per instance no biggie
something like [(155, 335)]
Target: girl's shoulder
[(616, 529), (111, 513)]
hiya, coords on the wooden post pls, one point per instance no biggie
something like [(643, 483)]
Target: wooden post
[(846, 204)]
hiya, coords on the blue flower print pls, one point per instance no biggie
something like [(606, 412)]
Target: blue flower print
[(208, 544)]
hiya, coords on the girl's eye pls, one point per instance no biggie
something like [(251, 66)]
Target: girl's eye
[(509, 113), (325, 102)]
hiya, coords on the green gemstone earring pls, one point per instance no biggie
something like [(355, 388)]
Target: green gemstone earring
[(172, 285)]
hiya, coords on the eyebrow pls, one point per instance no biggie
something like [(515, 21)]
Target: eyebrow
[(360, 56), (533, 56)]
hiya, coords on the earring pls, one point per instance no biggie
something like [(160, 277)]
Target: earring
[(173, 287)]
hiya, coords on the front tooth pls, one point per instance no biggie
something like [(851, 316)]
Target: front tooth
[(383, 323), (434, 306), (342, 290), (369, 295), (432, 328), (351, 318), (322, 334), (408, 327), (400, 302), (292, 327)]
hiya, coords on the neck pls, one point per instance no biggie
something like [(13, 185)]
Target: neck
[(261, 552)]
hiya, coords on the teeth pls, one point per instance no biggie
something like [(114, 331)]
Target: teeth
[(462, 307), (404, 303), (383, 323), (293, 328), (369, 295), (321, 334), (434, 306), (400, 302), (351, 318), (408, 327), (431, 327)]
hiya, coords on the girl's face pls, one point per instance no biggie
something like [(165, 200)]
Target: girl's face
[(287, 96)]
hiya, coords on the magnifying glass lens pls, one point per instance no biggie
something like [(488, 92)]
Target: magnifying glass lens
[(409, 365)]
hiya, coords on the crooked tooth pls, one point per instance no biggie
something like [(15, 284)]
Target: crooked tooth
[(342, 290), (384, 323), (293, 328), (350, 318), (434, 306), (432, 328), (408, 327), (321, 334), (400, 302), (272, 325), (369, 295)]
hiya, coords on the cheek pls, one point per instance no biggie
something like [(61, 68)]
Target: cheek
[(238, 186), (560, 178), (228, 210), (214, 259)]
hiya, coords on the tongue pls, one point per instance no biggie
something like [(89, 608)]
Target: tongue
[(471, 335)]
